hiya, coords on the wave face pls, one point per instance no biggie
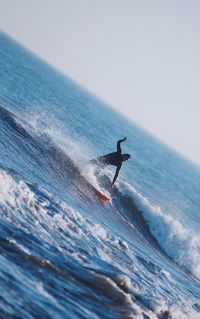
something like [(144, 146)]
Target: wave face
[(66, 254)]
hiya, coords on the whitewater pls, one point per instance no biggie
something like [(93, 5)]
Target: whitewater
[(64, 252)]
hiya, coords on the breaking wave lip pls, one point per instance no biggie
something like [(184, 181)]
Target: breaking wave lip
[(51, 151), (38, 139), (177, 241)]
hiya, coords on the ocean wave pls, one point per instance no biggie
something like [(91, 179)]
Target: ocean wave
[(176, 239), (64, 253), (13, 194), (57, 224), (48, 149)]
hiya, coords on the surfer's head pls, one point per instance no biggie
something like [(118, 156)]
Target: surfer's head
[(125, 157)]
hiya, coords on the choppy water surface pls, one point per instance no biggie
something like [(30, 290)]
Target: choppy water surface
[(65, 253)]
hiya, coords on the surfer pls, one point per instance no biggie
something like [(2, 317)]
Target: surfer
[(114, 159)]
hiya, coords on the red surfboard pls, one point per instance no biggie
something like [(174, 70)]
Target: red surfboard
[(100, 195)]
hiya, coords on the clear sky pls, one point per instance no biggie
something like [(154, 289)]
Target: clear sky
[(140, 56)]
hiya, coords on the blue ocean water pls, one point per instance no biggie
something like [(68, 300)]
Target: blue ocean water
[(64, 252)]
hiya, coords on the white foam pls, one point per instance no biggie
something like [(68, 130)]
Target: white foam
[(88, 171), (112, 290), (103, 255), (162, 309), (46, 123), (21, 247), (14, 194), (43, 292), (178, 241), (122, 243), (175, 312), (125, 282), (99, 231), (79, 151)]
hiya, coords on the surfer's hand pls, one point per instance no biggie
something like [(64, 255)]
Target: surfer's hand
[(125, 138)]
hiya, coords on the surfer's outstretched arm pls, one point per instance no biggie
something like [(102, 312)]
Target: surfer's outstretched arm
[(116, 174), (118, 144)]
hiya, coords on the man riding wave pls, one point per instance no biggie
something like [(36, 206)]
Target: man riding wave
[(115, 159)]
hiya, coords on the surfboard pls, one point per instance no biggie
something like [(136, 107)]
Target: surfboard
[(100, 195)]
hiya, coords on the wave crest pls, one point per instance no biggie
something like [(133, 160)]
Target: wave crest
[(176, 239)]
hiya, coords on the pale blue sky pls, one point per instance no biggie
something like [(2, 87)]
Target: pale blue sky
[(142, 57)]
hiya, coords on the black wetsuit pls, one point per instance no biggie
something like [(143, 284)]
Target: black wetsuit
[(114, 159)]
